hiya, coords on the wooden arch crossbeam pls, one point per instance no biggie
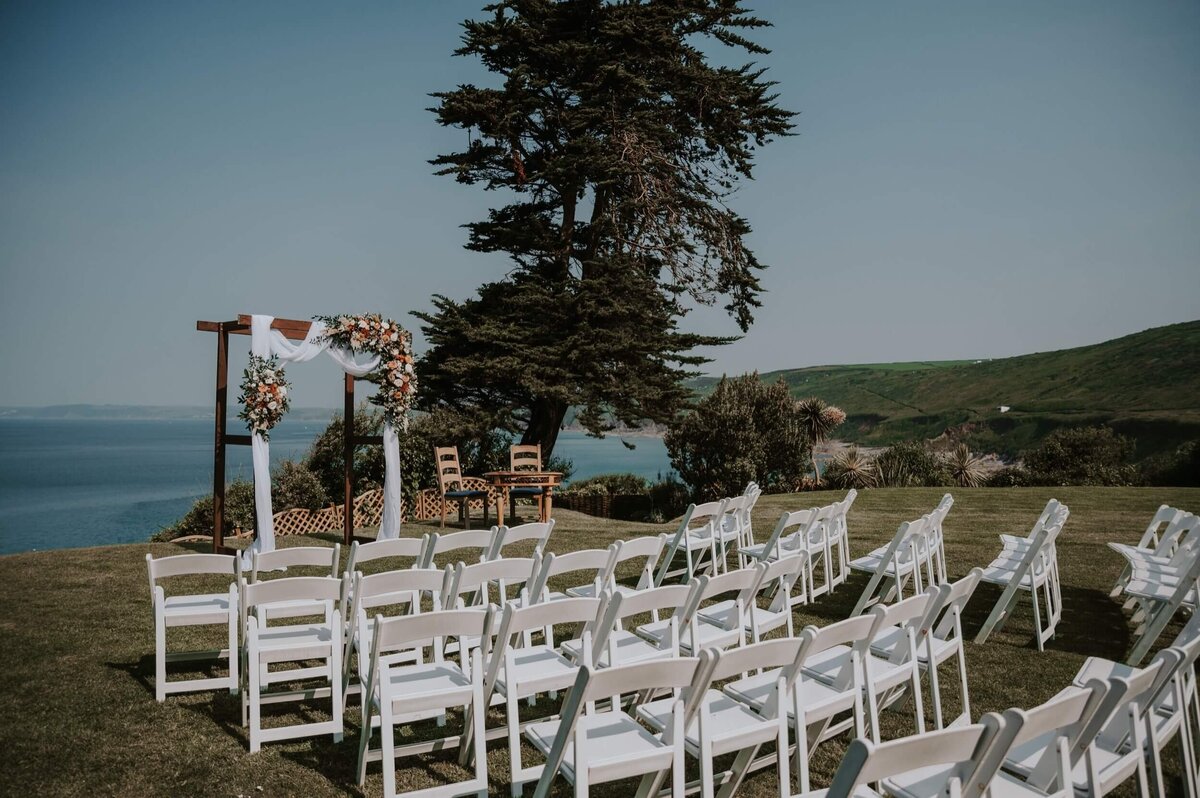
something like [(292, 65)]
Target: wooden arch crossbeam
[(295, 330)]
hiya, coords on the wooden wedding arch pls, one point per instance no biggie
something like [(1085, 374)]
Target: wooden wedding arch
[(294, 330)]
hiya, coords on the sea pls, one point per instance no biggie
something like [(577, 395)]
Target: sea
[(73, 483)]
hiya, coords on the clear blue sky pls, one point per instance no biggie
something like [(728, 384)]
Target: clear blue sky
[(969, 180)]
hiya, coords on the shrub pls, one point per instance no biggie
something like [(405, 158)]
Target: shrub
[(744, 430), (613, 484), (1082, 456), (324, 457), (910, 464), (668, 498), (239, 513), (1008, 477), (1180, 468), (965, 469), (851, 468), (293, 485)]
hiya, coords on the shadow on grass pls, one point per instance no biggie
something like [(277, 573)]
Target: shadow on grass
[(1092, 624)]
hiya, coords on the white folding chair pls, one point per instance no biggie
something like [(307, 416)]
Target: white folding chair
[(536, 531), (1049, 740), (1030, 565), (696, 535), (746, 521), (470, 545), (839, 533), (721, 725), (939, 638), (1157, 541), (1168, 710), (1160, 594), (646, 549), (614, 645), (295, 644), (933, 556), (399, 552), (322, 561), (405, 693), (780, 579), (740, 587), (474, 584), (729, 530), (400, 589), (789, 538), (818, 704), (597, 563), (393, 554), (891, 669), (892, 566), (516, 671), (958, 762), (194, 609), (589, 747)]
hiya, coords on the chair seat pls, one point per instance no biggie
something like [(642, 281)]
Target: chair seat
[(416, 688), (525, 491), (463, 494), (538, 669), (722, 614), (589, 590), (815, 697), (203, 608), (919, 783), (1000, 575), (629, 649), (708, 634), (884, 644), (618, 746), (734, 725), (870, 564), (1160, 589), (297, 641)]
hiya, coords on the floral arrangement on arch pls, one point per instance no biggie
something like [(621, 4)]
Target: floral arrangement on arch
[(264, 396), (374, 335)]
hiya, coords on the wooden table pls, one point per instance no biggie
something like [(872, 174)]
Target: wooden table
[(505, 481)]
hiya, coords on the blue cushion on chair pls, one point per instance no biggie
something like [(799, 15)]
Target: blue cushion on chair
[(525, 491), (462, 494)]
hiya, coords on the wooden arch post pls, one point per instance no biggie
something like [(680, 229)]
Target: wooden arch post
[(294, 330)]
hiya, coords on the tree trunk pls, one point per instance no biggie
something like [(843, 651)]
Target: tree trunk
[(545, 419)]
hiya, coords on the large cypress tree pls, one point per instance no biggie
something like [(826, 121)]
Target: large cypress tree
[(618, 142)]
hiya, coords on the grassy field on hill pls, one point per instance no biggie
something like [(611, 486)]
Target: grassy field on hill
[(77, 642), (1146, 385)]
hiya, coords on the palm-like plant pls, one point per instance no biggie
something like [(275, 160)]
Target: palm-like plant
[(818, 420), (852, 468), (966, 470)]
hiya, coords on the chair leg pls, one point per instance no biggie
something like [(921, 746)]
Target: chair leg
[(160, 656)]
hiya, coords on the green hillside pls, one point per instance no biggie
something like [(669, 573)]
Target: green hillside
[(1146, 385)]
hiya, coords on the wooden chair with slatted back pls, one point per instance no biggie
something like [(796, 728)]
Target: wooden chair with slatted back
[(450, 482), (525, 457)]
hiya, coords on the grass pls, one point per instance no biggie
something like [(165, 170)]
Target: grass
[(1143, 384), (76, 644)]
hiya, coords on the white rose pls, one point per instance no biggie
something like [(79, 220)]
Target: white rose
[(272, 405)]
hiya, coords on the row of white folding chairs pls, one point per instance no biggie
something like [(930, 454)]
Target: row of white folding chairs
[(1159, 541), (868, 661), (916, 553), (821, 533), (1029, 564), (706, 534), (1092, 737), (1160, 578), (217, 608)]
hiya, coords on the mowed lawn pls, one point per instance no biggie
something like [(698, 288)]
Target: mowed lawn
[(76, 648)]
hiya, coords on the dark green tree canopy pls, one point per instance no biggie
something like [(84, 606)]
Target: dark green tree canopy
[(619, 143)]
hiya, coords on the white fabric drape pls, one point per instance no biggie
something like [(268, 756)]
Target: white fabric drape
[(265, 342)]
